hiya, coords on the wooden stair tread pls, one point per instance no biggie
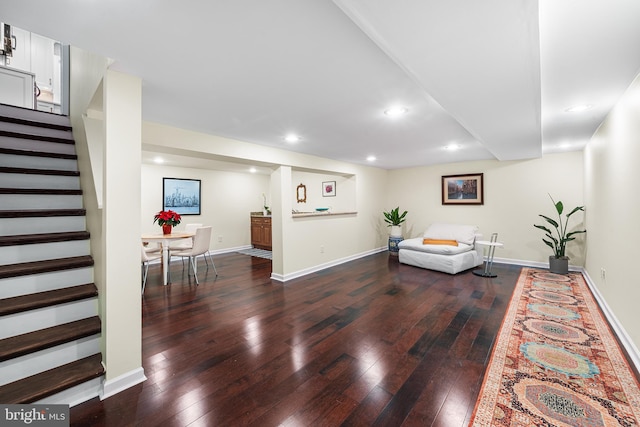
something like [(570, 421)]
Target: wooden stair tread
[(34, 153), (36, 137), (48, 191), (47, 383), (19, 345), (41, 213), (30, 239), (47, 298), (33, 171), (46, 266)]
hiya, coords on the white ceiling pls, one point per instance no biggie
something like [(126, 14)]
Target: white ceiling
[(494, 77)]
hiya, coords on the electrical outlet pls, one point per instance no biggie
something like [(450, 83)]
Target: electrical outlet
[(219, 239), (603, 273), (321, 249)]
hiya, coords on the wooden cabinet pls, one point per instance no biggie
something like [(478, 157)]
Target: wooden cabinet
[(261, 232)]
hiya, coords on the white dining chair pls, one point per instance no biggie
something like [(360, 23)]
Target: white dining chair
[(184, 244), (146, 258), (201, 242)]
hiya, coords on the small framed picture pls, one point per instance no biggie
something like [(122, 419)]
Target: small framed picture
[(181, 195), (329, 189), (465, 189)]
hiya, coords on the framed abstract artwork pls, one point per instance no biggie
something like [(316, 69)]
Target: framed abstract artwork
[(329, 189), (181, 195), (465, 189)]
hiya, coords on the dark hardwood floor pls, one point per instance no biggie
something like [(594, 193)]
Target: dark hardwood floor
[(370, 342)]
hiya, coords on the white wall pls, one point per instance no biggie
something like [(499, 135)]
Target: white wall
[(345, 191), (122, 156), (321, 240), (113, 241), (227, 200), (515, 192), (300, 240), (611, 192)]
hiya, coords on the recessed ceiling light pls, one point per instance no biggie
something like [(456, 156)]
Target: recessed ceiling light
[(452, 147), (253, 170), (371, 158), (579, 108), (158, 160), (292, 138), (395, 111)]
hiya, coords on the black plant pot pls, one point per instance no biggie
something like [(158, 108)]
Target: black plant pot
[(559, 265)]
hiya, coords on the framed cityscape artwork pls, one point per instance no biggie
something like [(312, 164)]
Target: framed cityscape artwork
[(465, 189), (181, 195)]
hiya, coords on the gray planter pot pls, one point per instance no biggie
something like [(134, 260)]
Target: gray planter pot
[(559, 265)]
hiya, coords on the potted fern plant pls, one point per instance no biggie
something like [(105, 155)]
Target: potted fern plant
[(394, 219), (559, 237)]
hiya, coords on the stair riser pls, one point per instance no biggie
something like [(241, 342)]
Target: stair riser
[(43, 251), (39, 201), (22, 285), (21, 180), (14, 226), (35, 130), (35, 162), (31, 364), (29, 321), (32, 115), (35, 145)]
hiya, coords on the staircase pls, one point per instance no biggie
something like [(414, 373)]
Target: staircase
[(49, 324)]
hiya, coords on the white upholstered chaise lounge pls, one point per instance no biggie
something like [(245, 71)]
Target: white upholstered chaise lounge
[(449, 248)]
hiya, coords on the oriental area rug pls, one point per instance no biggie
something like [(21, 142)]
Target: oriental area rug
[(556, 361)]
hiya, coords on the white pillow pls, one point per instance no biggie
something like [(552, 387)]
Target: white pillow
[(442, 231)]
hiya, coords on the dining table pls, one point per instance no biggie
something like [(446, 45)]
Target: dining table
[(165, 240)]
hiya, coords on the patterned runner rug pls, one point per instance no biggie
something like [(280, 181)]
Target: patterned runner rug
[(260, 253), (555, 361)]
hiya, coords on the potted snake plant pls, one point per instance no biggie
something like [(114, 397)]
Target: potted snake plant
[(394, 219), (558, 238)]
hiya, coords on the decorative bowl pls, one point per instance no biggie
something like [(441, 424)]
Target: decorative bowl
[(322, 209)]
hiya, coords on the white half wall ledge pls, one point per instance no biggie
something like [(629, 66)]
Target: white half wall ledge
[(122, 382)]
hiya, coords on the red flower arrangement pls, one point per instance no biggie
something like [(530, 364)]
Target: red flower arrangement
[(167, 218)]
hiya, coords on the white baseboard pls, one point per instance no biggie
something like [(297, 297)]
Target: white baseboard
[(75, 395), (122, 382), (625, 339), (304, 272), (216, 252)]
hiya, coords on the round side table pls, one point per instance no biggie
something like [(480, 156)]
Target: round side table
[(486, 271)]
